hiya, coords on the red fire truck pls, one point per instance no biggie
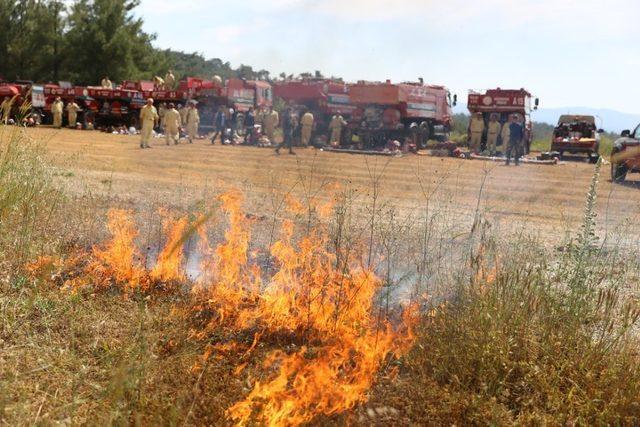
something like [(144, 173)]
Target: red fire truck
[(322, 97), (387, 111), (24, 93), (503, 103)]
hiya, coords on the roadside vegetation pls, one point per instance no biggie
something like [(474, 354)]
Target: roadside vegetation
[(461, 326)]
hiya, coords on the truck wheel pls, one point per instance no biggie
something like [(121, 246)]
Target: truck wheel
[(593, 157), (618, 172)]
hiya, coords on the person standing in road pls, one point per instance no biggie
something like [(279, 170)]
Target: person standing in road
[(172, 123), (493, 130), (516, 136), (219, 123), (476, 128), (148, 119), (193, 121), (57, 108), (72, 113), (288, 126), (306, 123), (335, 126)]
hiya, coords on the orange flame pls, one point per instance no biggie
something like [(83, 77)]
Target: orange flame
[(169, 264)]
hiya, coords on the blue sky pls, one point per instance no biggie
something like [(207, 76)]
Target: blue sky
[(567, 52)]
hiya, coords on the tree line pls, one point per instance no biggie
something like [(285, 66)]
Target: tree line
[(83, 40)]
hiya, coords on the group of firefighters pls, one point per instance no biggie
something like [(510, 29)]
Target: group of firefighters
[(171, 119), (511, 132)]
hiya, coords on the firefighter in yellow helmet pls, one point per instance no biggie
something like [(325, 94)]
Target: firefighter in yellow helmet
[(476, 129), (193, 121), (57, 108), (493, 130), (169, 80), (148, 120), (172, 123), (72, 113), (306, 124), (335, 126), (504, 135), (106, 83)]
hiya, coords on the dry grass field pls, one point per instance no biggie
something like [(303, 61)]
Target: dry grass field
[(543, 199)]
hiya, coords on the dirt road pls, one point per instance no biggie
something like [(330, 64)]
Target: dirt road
[(549, 199)]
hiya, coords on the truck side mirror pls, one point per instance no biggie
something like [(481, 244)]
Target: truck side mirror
[(625, 133), (536, 103), (455, 99)]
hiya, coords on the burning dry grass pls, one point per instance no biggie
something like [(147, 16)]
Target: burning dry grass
[(325, 308)]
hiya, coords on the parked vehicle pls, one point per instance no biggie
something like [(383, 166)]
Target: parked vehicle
[(577, 134), (625, 155)]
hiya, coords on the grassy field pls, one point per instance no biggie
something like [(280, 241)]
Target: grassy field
[(201, 285)]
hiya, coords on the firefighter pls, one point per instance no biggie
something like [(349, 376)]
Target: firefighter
[(172, 123), (271, 120), (162, 110), (259, 115), (5, 110), (72, 113), (148, 119), (335, 126), (493, 130), (306, 123), (516, 138), (219, 124), (169, 80), (288, 125), (193, 121), (183, 110), (476, 128), (158, 82), (106, 83), (505, 135), (56, 110)]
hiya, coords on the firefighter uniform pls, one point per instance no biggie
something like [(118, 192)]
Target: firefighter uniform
[(307, 127), (183, 114), (193, 121), (505, 136), (335, 126), (106, 83), (72, 113), (271, 120), (162, 110), (172, 123), (259, 117), (148, 119), (476, 128), (5, 110), (169, 80), (57, 109), (493, 130)]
